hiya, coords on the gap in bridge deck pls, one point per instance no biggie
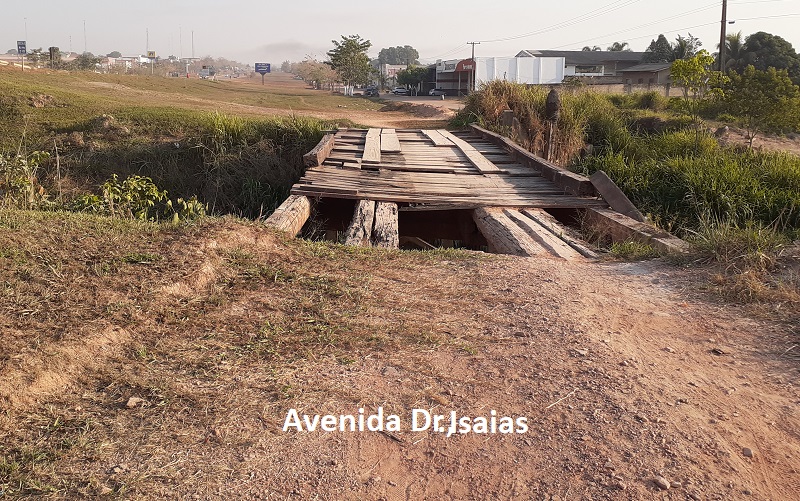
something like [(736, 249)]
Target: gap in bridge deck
[(419, 228)]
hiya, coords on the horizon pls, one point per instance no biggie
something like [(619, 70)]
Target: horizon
[(270, 33)]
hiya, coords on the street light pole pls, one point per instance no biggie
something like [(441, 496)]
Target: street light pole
[(722, 35), (474, 65)]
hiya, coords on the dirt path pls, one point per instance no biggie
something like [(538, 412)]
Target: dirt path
[(624, 372)]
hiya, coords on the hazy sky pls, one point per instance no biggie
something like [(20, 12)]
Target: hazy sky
[(266, 31)]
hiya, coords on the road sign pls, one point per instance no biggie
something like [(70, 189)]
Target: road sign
[(151, 54), (262, 68), (22, 47)]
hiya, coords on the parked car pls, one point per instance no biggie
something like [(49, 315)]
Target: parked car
[(437, 92), (371, 91), (400, 90)]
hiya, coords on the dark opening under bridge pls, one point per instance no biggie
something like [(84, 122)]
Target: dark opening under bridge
[(393, 188)]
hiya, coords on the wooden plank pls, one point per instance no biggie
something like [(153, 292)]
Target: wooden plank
[(618, 201), (437, 138), (385, 230), (291, 215), (359, 232), (372, 147), (503, 236), (572, 183), (550, 242), (550, 223), (621, 227), (389, 141), (478, 160), (320, 152)]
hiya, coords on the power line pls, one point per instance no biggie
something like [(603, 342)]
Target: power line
[(797, 14), (653, 23), (573, 21)]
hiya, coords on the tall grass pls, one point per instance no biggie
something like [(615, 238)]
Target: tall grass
[(680, 184), (235, 165)]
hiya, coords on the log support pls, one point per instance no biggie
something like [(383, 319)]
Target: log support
[(359, 233), (291, 215), (385, 229), (620, 228)]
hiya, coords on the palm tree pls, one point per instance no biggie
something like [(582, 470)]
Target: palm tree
[(733, 50), (620, 47)]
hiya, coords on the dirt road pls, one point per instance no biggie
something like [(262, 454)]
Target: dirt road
[(163, 363)]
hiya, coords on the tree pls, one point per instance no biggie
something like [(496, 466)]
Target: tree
[(349, 59), (412, 76), (659, 51), (619, 47), (399, 55), (86, 61), (586, 48), (764, 50), (36, 56), (733, 50), (286, 67), (686, 47), (699, 83), (114, 54), (762, 100)]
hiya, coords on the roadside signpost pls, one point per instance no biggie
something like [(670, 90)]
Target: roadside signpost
[(151, 55), (263, 69), (22, 49)]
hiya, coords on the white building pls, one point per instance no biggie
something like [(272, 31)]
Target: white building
[(455, 76)]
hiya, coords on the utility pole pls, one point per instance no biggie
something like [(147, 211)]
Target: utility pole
[(84, 37), (474, 65), (722, 35)]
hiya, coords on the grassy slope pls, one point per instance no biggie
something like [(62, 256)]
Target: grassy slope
[(176, 316), (156, 105)]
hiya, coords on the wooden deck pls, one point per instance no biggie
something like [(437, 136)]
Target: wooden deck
[(388, 188), (433, 168)]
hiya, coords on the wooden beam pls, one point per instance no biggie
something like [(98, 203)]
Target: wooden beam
[(389, 141), (502, 234), (477, 159), (320, 152), (611, 193), (621, 228), (359, 233), (291, 215), (571, 182), (541, 236), (372, 147), (552, 225), (437, 138), (385, 230)]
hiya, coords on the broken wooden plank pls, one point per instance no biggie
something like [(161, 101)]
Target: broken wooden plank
[(389, 141), (480, 162), (372, 147), (437, 138), (552, 225), (291, 215), (359, 233), (320, 152), (502, 234), (620, 228), (611, 193), (385, 230)]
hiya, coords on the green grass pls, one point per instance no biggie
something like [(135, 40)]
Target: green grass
[(105, 125)]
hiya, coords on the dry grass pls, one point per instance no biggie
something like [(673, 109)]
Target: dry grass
[(96, 311)]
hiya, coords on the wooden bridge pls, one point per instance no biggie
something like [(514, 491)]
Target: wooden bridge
[(388, 188)]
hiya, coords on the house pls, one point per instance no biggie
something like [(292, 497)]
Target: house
[(455, 76), (581, 63), (647, 74)]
